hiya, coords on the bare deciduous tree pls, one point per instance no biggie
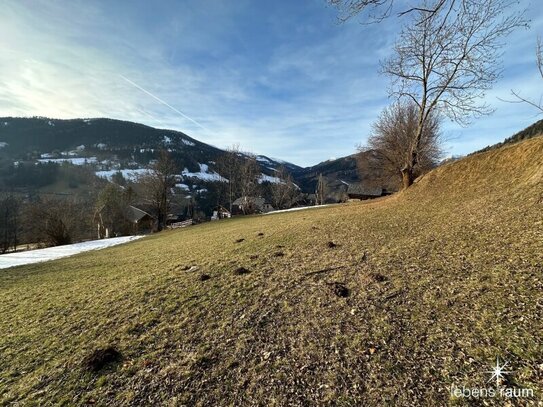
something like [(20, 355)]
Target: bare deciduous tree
[(388, 147), (321, 191), (284, 191), (248, 177), (229, 166), (55, 222), (378, 10), (9, 222), (110, 211), (446, 60), (157, 187)]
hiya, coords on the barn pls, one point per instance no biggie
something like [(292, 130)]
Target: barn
[(358, 191)]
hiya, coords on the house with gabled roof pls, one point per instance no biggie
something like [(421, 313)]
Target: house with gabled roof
[(250, 204), (359, 191)]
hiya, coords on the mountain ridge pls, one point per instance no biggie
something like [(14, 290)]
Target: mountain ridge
[(35, 138)]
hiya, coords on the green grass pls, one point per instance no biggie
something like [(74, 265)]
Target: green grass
[(442, 279)]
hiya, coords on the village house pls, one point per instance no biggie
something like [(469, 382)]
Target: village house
[(141, 221), (248, 204), (220, 212), (360, 192)]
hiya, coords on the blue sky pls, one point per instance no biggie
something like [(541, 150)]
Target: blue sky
[(281, 78)]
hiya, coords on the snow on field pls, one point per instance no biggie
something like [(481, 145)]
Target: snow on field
[(128, 174), (268, 178), (263, 159), (52, 253), (184, 187), (74, 161), (204, 174), (297, 209)]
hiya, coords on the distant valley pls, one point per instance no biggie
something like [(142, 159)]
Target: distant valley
[(108, 147)]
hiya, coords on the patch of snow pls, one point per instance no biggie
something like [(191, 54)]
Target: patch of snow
[(80, 148), (269, 178), (344, 183), (46, 155), (3, 144), (6, 123), (204, 175), (74, 161), (263, 159), (297, 209), (52, 253), (277, 160), (200, 191), (187, 142), (101, 146), (131, 175), (184, 187), (450, 158), (50, 123), (167, 140)]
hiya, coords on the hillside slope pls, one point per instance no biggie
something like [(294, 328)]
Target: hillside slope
[(390, 302)]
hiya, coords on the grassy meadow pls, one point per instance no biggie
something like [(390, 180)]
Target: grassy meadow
[(385, 302)]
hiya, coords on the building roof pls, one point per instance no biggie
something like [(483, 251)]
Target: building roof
[(134, 214), (222, 209), (259, 202), (359, 189)]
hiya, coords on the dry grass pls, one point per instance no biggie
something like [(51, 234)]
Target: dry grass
[(420, 292)]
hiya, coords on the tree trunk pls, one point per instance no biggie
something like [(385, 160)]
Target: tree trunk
[(408, 170), (407, 177)]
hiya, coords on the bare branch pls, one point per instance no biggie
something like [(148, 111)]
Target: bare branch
[(516, 94), (446, 59)]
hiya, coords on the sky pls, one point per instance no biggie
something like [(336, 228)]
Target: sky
[(280, 78)]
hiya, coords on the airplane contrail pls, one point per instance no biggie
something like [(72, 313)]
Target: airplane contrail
[(164, 103), (152, 117)]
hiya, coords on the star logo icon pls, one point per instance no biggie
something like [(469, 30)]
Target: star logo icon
[(498, 372)]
